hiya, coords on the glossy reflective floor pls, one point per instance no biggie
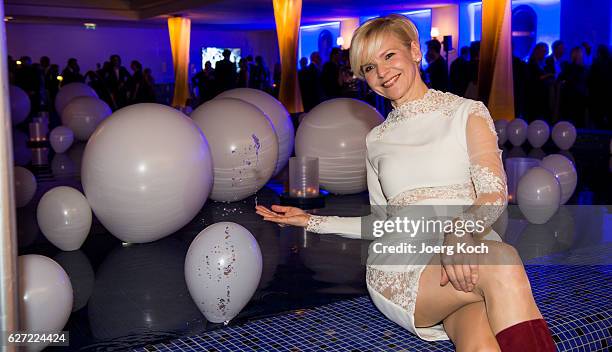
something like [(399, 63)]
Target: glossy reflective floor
[(132, 295)]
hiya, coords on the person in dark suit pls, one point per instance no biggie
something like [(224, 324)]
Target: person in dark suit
[(437, 71), (330, 76), (460, 72), (117, 79), (72, 72), (225, 72)]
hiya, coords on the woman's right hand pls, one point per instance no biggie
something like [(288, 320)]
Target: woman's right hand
[(284, 215)]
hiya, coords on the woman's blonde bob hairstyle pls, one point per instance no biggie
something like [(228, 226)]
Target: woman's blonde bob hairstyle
[(368, 38)]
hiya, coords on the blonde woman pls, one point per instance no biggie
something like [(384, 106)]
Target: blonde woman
[(435, 148)]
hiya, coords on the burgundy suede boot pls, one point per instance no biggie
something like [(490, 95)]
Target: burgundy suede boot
[(527, 336)]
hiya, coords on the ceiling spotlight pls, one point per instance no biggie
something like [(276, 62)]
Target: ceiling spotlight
[(90, 26), (435, 32), (18, 62)]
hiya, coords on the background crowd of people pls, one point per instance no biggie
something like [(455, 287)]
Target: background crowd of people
[(547, 87)]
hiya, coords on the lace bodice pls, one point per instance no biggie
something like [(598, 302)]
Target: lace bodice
[(439, 147)]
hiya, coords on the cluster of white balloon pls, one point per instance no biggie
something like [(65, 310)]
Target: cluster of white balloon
[(537, 133)]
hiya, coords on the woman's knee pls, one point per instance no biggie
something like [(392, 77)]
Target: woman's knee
[(504, 267)]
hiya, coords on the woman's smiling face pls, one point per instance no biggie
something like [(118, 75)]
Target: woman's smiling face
[(393, 71)]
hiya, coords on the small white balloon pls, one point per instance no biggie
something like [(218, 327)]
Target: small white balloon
[(501, 127), (564, 135), (64, 217), (71, 91), (222, 270), (45, 295), (20, 104), (84, 114), (538, 195), (61, 139), (565, 172), (517, 132), (244, 156), (538, 133), (278, 115), (25, 186)]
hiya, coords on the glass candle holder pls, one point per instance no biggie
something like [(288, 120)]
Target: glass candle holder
[(304, 177), (515, 169)]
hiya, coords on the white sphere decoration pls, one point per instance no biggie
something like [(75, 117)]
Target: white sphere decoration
[(278, 115), (335, 132), (564, 135), (64, 217), (25, 186), (538, 195), (501, 126), (61, 139), (565, 172), (71, 91), (84, 114), (517, 132), (20, 104), (243, 145), (538, 133), (45, 295), (223, 267), (146, 172)]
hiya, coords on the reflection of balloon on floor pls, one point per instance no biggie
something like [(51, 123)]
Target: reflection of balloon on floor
[(81, 275), (45, 295), (556, 235), (27, 225), (64, 217), (141, 288), (147, 171), (22, 155), (564, 171), (83, 114), (538, 133), (243, 145), (71, 91), (20, 104), (61, 138), (564, 135), (222, 270), (76, 154), (500, 128), (335, 132), (538, 194), (517, 132), (25, 186), (516, 152), (62, 166), (537, 153), (279, 116)]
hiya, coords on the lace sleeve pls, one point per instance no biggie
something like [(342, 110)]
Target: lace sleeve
[(486, 168), (350, 227)]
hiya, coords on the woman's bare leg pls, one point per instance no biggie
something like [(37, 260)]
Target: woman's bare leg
[(469, 329), (502, 284)]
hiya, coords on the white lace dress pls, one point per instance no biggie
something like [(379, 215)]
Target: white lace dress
[(441, 149)]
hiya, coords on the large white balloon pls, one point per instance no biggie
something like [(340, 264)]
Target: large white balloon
[(64, 217), (501, 126), (517, 132), (564, 135), (538, 195), (25, 186), (81, 275), (84, 114), (538, 133), (61, 139), (71, 91), (222, 270), (20, 104), (564, 171), (335, 132), (45, 295), (243, 145), (281, 120), (147, 171)]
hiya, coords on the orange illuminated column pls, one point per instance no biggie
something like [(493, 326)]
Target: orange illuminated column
[(347, 28), (287, 14), (495, 82), (180, 30)]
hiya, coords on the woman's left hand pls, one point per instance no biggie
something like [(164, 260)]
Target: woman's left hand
[(460, 269)]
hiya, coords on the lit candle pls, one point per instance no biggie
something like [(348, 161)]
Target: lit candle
[(37, 132)]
